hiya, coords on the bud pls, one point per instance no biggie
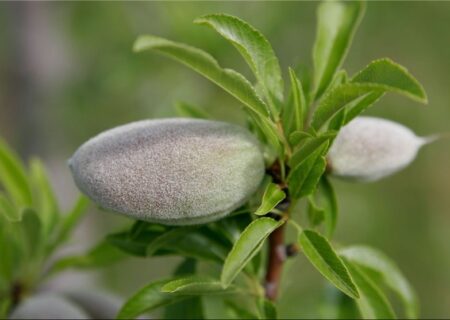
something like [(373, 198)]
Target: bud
[(370, 148), (170, 171), (47, 306)]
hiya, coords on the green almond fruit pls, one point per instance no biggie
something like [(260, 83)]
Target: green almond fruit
[(370, 148), (170, 171)]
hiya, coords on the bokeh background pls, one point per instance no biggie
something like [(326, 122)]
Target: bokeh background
[(67, 72)]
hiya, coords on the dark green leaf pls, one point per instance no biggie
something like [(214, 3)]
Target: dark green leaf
[(270, 310), (273, 195), (336, 26), (255, 49), (390, 274), (190, 111), (357, 108), (171, 236), (390, 76), (13, 177), (200, 61), (372, 303), (320, 253), (147, 299), (246, 247)]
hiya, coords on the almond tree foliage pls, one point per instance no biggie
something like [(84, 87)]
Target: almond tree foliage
[(231, 268)]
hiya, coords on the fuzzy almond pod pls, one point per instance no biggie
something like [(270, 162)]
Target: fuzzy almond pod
[(170, 171), (370, 148), (47, 306)]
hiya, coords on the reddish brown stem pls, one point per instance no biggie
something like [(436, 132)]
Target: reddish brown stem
[(277, 255)]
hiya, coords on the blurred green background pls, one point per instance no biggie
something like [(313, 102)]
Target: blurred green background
[(67, 72)]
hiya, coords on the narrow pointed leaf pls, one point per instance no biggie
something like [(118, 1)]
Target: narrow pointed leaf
[(246, 247), (372, 303), (307, 149), (168, 237), (46, 204), (390, 76), (13, 177), (320, 253), (255, 49), (324, 201), (190, 111), (8, 210), (196, 285), (298, 136), (345, 95), (336, 26), (203, 63), (299, 103), (273, 195), (391, 275), (147, 299)]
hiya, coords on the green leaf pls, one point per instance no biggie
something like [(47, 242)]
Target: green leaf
[(324, 200), (8, 210), (70, 221), (356, 109), (46, 204), (298, 136), (32, 230), (190, 308), (303, 180), (203, 63), (387, 75), (246, 247), (255, 49), (308, 149), (13, 177), (147, 299), (273, 195), (336, 25), (391, 275), (174, 235), (320, 253), (190, 111), (372, 303), (196, 285), (345, 95), (102, 255), (134, 243), (270, 310), (297, 110)]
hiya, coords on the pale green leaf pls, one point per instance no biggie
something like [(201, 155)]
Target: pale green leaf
[(147, 299), (372, 303), (297, 112), (246, 247), (298, 136), (8, 210), (32, 231), (196, 285), (336, 25), (203, 63), (391, 275), (13, 177), (387, 75), (190, 111), (322, 256), (273, 195), (46, 204), (255, 49)]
